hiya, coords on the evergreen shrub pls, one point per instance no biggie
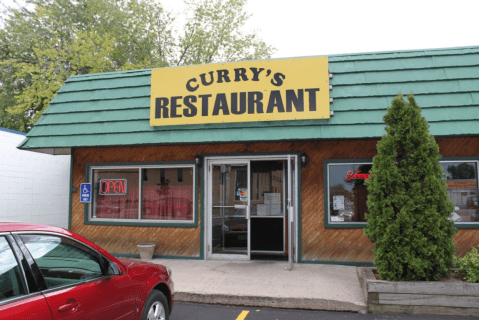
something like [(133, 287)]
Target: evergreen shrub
[(408, 202), (469, 265)]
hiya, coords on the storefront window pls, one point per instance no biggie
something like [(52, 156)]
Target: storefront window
[(347, 193), (461, 178), (115, 193), (167, 194), (162, 193)]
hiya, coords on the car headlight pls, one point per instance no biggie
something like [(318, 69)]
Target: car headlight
[(172, 285)]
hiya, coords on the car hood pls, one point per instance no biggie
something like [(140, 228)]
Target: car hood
[(138, 266), (130, 263)]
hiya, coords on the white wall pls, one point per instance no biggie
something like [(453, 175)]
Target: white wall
[(33, 186)]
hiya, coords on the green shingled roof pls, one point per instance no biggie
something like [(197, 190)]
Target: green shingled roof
[(112, 109)]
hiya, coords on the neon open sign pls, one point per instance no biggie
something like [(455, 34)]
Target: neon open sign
[(110, 187)]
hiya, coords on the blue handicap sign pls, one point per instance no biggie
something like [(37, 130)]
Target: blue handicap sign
[(85, 192)]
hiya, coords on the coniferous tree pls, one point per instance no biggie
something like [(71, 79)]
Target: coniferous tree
[(408, 202)]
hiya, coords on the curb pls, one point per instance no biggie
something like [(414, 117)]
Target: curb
[(285, 303)]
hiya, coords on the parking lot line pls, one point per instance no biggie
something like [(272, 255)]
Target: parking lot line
[(242, 315)]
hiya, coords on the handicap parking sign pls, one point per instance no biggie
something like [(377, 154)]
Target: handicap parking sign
[(85, 192)]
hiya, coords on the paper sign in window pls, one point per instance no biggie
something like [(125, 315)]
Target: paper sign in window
[(272, 198), (338, 202)]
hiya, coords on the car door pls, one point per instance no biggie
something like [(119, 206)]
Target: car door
[(78, 286), (16, 300)]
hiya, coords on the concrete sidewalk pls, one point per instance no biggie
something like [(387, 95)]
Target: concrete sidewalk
[(267, 284)]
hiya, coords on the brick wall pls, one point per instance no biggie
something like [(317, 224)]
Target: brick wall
[(33, 186)]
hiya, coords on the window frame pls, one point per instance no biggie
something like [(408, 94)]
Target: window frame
[(15, 251), (465, 224), (355, 225), (339, 225), (103, 261), (89, 220)]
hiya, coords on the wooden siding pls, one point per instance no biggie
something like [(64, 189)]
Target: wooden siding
[(317, 242), (170, 241), (420, 297)]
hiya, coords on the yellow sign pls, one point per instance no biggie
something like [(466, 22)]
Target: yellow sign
[(269, 90)]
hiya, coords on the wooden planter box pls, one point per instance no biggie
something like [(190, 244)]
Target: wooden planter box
[(420, 297)]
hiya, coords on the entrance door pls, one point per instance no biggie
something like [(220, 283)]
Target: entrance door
[(229, 210), (251, 208)]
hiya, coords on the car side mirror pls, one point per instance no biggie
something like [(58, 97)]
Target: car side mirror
[(113, 269)]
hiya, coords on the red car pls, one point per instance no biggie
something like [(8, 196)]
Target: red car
[(51, 273)]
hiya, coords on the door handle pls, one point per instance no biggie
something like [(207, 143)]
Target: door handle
[(71, 305)]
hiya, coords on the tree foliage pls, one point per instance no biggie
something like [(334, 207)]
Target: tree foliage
[(408, 202), (45, 42), (469, 264)]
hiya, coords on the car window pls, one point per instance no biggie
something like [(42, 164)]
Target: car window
[(62, 261), (12, 283)]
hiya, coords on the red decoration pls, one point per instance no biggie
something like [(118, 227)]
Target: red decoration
[(350, 175)]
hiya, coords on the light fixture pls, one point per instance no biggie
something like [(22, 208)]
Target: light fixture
[(198, 160), (304, 160)]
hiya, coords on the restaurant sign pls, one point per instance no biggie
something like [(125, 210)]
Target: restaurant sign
[(268, 90)]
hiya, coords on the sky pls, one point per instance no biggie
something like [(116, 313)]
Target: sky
[(318, 28)]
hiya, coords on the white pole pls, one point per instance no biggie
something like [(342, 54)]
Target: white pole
[(290, 217)]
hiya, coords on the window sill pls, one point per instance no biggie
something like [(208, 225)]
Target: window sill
[(143, 223), (345, 225), (358, 225)]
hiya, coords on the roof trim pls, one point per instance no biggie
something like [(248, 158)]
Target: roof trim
[(12, 131)]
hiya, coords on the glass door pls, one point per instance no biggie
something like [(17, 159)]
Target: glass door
[(268, 207), (229, 209)]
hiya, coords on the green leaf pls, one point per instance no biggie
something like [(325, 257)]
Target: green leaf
[(46, 42)]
